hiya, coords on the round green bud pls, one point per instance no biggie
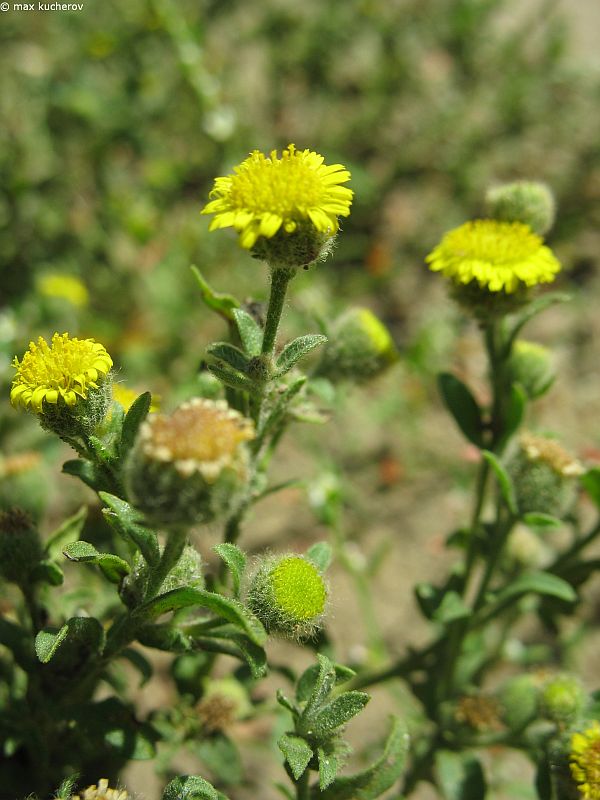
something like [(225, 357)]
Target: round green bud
[(519, 700), (523, 201), (301, 248), (288, 595), (531, 366), (20, 546), (191, 466), (359, 348), (543, 474), (525, 548), (563, 700)]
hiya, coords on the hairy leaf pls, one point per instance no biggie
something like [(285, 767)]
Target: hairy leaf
[(297, 752), (235, 560), (250, 331), (297, 349), (462, 405)]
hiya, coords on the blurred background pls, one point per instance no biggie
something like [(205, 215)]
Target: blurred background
[(116, 119)]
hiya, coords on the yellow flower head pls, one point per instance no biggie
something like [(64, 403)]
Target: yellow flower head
[(499, 256), (67, 287), (266, 195), (67, 369), (585, 762), (101, 792)]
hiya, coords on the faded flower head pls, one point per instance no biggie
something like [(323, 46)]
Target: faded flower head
[(544, 475), (294, 200), (63, 372), (288, 594), (498, 259), (585, 761), (101, 792), (189, 466), (479, 712)]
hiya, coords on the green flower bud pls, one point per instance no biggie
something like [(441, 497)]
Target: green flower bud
[(519, 699), (531, 366), (563, 700), (544, 476), (288, 595), (523, 201), (189, 467), (359, 347), (525, 548), (20, 546)]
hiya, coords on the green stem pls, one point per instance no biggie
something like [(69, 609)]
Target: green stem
[(279, 283), (303, 786)]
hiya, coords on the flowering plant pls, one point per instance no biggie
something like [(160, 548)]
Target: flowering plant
[(69, 715)]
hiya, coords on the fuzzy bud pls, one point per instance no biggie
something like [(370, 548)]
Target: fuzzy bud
[(189, 467), (563, 700), (530, 202), (360, 347), (531, 366), (288, 595), (544, 476), (519, 701), (20, 546)]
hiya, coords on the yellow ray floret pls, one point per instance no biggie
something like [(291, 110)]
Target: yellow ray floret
[(585, 762), (269, 194), (67, 369), (499, 256)]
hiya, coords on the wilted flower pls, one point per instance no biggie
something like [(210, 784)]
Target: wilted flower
[(101, 792)]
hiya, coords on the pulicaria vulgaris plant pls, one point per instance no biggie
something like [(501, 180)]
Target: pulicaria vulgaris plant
[(69, 726)]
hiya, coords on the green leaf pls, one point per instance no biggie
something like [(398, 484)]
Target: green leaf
[(535, 519), (543, 583), (513, 413), (232, 356), (234, 379), (223, 304), (322, 686), (221, 756), (462, 405), (103, 455), (308, 680), (165, 637), (459, 776), (84, 470), (505, 483), (110, 725), (286, 703), (328, 767), (253, 654), (452, 608), (189, 787), (140, 662), (184, 597), (320, 554), (235, 560), (250, 331), (80, 635), (112, 566), (68, 531), (591, 483), (297, 349), (297, 753), (125, 520), (337, 713), (138, 411), (377, 778), (47, 571)]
